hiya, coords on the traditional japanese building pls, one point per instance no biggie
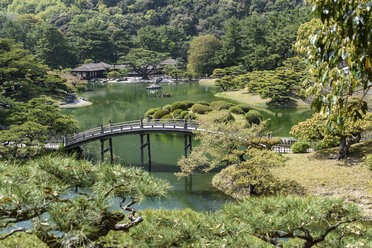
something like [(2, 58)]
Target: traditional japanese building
[(91, 70)]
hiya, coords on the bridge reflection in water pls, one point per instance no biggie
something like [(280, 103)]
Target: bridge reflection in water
[(141, 127)]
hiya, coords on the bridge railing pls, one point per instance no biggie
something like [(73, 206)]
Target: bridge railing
[(136, 124)]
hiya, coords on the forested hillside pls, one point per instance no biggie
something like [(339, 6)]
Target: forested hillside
[(257, 34)]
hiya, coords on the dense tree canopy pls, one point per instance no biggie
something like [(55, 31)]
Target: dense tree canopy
[(339, 52), (77, 216)]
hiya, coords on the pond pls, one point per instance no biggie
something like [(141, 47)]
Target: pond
[(120, 102)]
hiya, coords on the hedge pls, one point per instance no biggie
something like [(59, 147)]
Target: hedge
[(300, 147), (219, 105), (151, 112), (236, 110), (253, 116), (160, 113), (178, 105), (200, 109), (167, 116), (167, 107), (183, 114), (189, 104), (203, 103), (243, 107)]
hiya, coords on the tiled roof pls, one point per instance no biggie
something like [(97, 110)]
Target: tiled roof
[(91, 67)]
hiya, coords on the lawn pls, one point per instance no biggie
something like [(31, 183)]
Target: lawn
[(255, 100), (319, 175)]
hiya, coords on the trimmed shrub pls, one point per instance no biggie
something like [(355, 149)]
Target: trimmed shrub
[(367, 161), (183, 114), (178, 105), (218, 105), (243, 107), (192, 116), (203, 103), (167, 107), (300, 147), (253, 116), (236, 110), (167, 116), (177, 112), (160, 113), (151, 112), (189, 104), (80, 88), (200, 109)]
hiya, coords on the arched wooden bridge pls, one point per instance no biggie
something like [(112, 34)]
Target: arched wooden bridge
[(141, 127)]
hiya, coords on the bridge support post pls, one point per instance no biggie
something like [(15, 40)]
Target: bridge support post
[(188, 144), (143, 145), (103, 150)]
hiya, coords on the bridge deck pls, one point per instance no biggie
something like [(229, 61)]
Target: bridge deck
[(130, 127)]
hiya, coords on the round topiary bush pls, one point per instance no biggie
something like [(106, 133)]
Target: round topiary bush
[(151, 112), (167, 107), (253, 117), (167, 116), (183, 114), (160, 113), (200, 109), (243, 107), (191, 116), (189, 104), (236, 110), (178, 105), (203, 103), (218, 105), (177, 112), (300, 147)]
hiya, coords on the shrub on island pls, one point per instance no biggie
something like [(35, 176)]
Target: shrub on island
[(243, 107), (183, 114), (219, 105), (178, 105), (167, 116), (236, 110), (200, 109), (253, 117), (203, 103), (189, 104), (167, 107), (160, 113), (151, 112)]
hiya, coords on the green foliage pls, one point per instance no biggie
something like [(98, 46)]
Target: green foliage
[(167, 116), (160, 113), (339, 54), (178, 105), (167, 107), (327, 142), (253, 222), (178, 112), (151, 112), (113, 74), (184, 114), (81, 88), (203, 103), (202, 49), (316, 128), (219, 105), (191, 116), (201, 109), (236, 110), (143, 61), (300, 147), (253, 117), (32, 124), (189, 103), (244, 107), (41, 186)]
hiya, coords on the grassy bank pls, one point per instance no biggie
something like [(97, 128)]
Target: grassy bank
[(255, 100), (319, 175)]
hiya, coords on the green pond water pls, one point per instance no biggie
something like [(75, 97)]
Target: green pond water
[(129, 101)]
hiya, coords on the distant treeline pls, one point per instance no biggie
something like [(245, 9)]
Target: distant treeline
[(64, 33)]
